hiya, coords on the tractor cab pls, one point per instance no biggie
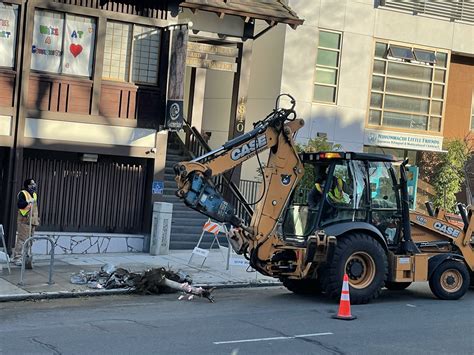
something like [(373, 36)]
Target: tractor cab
[(343, 190)]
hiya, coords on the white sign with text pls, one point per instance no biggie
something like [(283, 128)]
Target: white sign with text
[(403, 140), (8, 24), (78, 45), (47, 41)]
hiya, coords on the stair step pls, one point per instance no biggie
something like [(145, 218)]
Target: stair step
[(178, 245)]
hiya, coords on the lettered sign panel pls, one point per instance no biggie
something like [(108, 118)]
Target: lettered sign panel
[(47, 41), (8, 25), (78, 45)]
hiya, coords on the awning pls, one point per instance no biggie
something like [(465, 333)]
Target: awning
[(271, 11)]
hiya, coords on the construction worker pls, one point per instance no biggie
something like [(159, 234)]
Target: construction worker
[(27, 220), (337, 194), (315, 194)]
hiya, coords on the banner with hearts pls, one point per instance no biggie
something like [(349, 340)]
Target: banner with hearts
[(8, 21), (79, 40)]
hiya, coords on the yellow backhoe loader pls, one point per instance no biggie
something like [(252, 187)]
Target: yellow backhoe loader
[(350, 214)]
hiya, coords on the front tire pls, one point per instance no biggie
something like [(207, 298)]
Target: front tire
[(450, 280), (364, 261)]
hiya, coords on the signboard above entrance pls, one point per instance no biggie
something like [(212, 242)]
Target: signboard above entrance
[(202, 55), (403, 140)]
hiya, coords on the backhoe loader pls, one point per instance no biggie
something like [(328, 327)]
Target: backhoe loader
[(349, 215)]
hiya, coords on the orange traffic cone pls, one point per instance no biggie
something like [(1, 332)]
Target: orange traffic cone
[(345, 303)]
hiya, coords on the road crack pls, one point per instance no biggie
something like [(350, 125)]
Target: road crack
[(47, 346)]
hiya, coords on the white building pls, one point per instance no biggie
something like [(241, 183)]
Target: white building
[(386, 76)]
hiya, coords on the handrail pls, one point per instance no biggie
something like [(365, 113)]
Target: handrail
[(201, 147)]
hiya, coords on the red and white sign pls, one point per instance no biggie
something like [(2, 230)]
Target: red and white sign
[(212, 227)]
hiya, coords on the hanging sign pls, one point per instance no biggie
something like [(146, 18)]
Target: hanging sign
[(177, 65), (78, 45), (47, 41), (8, 21)]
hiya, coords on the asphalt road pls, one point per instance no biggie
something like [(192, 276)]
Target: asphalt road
[(242, 321)]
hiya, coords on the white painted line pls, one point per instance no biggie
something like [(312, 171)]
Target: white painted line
[(411, 305), (268, 339)]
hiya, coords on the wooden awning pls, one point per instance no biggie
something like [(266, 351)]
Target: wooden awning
[(271, 11)]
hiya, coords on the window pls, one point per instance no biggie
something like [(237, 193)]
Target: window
[(408, 87), (327, 67), (383, 200), (8, 28), (63, 43), (131, 51)]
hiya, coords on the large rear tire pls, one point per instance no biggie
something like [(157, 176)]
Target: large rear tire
[(364, 261), (302, 287), (450, 280)]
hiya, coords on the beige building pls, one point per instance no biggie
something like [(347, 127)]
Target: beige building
[(385, 76)]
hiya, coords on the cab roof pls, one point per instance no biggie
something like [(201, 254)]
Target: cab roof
[(327, 156)]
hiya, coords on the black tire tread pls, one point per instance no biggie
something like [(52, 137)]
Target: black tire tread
[(331, 282), (436, 287)]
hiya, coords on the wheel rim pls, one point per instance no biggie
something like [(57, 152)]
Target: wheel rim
[(451, 280), (360, 268)]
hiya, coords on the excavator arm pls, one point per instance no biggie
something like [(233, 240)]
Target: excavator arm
[(280, 175)]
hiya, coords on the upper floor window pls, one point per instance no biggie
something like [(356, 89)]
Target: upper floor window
[(327, 67), (8, 29), (131, 53), (408, 87), (63, 43)]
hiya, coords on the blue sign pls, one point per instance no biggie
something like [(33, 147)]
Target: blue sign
[(158, 187), (412, 184)]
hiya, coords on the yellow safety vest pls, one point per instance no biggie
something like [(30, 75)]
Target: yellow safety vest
[(24, 211), (335, 194)]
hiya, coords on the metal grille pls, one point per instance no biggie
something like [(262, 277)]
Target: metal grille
[(107, 196), (460, 10)]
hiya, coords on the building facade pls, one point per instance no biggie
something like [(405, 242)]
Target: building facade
[(375, 76), (90, 91)]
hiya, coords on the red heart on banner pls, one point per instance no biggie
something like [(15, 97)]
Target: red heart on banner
[(75, 49)]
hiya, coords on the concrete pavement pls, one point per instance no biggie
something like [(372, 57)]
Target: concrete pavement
[(212, 273)]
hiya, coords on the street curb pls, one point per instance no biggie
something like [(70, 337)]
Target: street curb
[(75, 294)]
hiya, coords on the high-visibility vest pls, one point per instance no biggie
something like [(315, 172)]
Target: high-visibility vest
[(24, 211), (335, 194)]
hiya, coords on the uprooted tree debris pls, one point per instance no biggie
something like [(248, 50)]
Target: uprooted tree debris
[(152, 281)]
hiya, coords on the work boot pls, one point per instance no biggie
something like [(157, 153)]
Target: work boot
[(29, 263)]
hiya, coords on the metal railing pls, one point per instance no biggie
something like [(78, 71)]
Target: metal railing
[(460, 10), (197, 146), (4, 247), (25, 247)]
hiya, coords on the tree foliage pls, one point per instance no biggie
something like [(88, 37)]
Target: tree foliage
[(318, 144), (449, 174)]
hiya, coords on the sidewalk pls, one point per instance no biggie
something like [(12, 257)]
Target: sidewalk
[(35, 282)]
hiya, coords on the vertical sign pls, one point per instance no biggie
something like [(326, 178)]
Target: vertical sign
[(177, 66), (412, 185), (47, 41), (78, 45), (8, 24)]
